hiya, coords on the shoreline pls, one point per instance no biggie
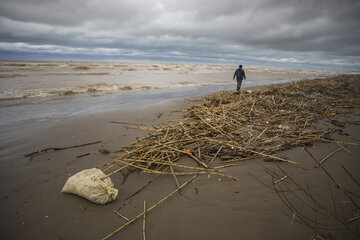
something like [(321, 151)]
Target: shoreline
[(32, 206), (24, 131), (44, 109)]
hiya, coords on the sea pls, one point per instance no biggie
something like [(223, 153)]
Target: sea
[(35, 93), (41, 91)]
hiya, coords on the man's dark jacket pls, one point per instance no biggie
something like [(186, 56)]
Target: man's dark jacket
[(240, 74)]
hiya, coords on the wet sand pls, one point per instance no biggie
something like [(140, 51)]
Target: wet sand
[(32, 206)]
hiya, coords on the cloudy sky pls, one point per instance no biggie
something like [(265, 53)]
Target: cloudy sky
[(318, 34)]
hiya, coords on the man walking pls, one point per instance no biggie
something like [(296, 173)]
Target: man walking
[(240, 75)]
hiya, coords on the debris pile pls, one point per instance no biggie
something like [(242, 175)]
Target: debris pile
[(231, 126)]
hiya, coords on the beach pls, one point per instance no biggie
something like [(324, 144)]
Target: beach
[(210, 207)]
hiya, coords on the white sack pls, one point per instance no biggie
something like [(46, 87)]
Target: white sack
[(88, 184)]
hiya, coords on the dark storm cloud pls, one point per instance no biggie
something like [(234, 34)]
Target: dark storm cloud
[(279, 30)]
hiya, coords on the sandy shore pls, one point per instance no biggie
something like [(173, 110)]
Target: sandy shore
[(32, 206)]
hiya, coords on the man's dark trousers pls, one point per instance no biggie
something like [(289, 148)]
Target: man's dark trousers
[(238, 84)]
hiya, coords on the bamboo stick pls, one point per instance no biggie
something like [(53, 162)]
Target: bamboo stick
[(60, 148), (175, 178), (144, 219), (281, 179), (118, 170), (327, 157), (149, 209), (178, 173), (173, 164), (120, 215), (259, 153), (215, 155)]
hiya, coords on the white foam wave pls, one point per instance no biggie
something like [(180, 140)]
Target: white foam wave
[(97, 88), (31, 79)]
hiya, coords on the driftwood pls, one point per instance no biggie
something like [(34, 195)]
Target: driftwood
[(127, 123), (231, 127), (31, 155), (83, 155)]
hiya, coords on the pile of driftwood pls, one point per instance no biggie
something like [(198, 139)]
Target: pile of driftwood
[(231, 126), (228, 127)]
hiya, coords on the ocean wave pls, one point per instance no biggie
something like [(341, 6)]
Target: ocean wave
[(13, 75), (31, 79), (96, 88)]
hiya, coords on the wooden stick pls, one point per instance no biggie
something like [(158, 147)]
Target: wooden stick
[(176, 180), (216, 154), (259, 153), (259, 135), (327, 157), (281, 179), (178, 173), (344, 148), (142, 128), (143, 229), (337, 141), (120, 215), (170, 164), (352, 177), (252, 107), (191, 155), (118, 170), (83, 155), (224, 166), (354, 218), (80, 145), (138, 124), (149, 209), (60, 148)]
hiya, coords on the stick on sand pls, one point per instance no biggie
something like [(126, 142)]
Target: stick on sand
[(149, 209)]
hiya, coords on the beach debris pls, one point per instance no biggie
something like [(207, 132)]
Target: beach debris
[(272, 160), (333, 179), (293, 217), (231, 127), (281, 179), (159, 115), (298, 93), (152, 207), (317, 210), (227, 128), (104, 151), (325, 158), (89, 184), (120, 215), (356, 217), (144, 220), (127, 123), (31, 155), (82, 155), (284, 127)]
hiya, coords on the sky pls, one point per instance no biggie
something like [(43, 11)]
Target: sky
[(315, 34)]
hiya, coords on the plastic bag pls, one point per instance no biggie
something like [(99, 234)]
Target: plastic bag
[(88, 184)]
